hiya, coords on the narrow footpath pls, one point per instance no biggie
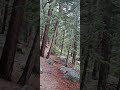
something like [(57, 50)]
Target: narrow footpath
[(52, 78)]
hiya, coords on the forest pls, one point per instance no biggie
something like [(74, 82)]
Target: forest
[(19, 45), (100, 44), (59, 44)]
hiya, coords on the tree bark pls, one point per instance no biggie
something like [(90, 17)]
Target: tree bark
[(105, 44), (104, 68), (53, 39), (74, 51), (96, 63), (45, 37), (31, 59), (95, 70), (62, 43), (8, 54), (67, 57)]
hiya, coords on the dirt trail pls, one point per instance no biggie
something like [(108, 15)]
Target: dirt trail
[(52, 78)]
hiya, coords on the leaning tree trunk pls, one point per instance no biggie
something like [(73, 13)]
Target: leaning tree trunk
[(31, 59), (5, 17), (45, 37), (8, 54), (53, 39)]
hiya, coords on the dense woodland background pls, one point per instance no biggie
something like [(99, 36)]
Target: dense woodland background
[(19, 42), (60, 28), (99, 44)]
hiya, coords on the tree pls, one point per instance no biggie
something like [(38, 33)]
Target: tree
[(84, 71), (31, 59), (53, 39), (45, 36), (62, 43), (8, 54), (105, 45)]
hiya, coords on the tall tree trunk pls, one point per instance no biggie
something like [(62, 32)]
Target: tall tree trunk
[(53, 39), (45, 37), (62, 43), (74, 51), (60, 9), (56, 38), (105, 8), (67, 57), (104, 68), (31, 59), (8, 54), (75, 45), (5, 17), (84, 71)]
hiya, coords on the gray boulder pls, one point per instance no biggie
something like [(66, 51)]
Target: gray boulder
[(63, 69), (70, 74)]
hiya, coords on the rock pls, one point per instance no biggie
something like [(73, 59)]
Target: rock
[(63, 59), (77, 65), (72, 75), (26, 87), (63, 69)]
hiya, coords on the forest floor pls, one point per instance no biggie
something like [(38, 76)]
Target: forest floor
[(52, 78)]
